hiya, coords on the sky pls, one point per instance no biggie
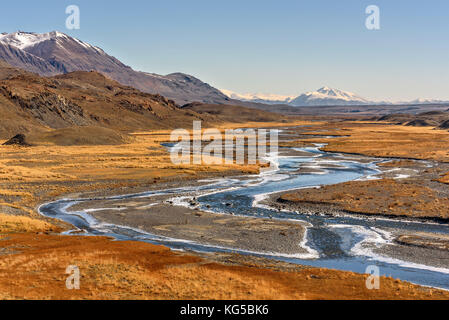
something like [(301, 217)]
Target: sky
[(284, 47)]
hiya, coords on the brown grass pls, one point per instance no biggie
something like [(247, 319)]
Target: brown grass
[(26, 172), (444, 178), (133, 270), (397, 164), (383, 140), (21, 224), (32, 264), (387, 196)]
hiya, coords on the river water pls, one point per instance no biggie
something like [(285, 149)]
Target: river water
[(350, 243)]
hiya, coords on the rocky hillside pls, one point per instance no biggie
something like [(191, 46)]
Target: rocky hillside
[(30, 103)]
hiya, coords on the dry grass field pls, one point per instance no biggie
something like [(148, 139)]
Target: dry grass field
[(29, 175), (387, 140), (387, 196), (33, 264), (34, 256)]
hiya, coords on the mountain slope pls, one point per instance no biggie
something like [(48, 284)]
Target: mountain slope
[(54, 53), (24, 60), (236, 114), (30, 104)]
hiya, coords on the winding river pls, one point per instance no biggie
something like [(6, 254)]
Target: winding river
[(344, 242)]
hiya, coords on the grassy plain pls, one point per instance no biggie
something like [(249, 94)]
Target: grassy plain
[(33, 265), (34, 255)]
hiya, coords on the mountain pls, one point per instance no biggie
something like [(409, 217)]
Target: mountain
[(424, 101), (322, 97), (55, 53), (22, 59), (327, 97), (258, 97), (70, 103)]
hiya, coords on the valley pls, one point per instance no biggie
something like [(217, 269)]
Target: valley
[(86, 178), (35, 175)]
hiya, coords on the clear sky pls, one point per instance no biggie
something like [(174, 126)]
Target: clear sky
[(282, 47)]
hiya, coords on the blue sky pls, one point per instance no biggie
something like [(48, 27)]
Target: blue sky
[(284, 47)]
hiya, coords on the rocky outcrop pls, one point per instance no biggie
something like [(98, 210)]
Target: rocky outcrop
[(18, 140)]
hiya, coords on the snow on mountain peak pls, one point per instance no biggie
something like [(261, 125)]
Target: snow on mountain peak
[(258, 97), (24, 40), (324, 89), (323, 96), (327, 96)]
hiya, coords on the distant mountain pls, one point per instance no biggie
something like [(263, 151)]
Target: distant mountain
[(328, 97), (425, 101), (55, 53), (259, 97), (322, 97)]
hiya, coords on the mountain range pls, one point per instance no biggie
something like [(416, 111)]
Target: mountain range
[(86, 107), (54, 53), (324, 96), (259, 97)]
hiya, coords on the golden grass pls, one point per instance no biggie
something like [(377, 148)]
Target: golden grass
[(21, 224), (397, 164), (32, 265), (26, 172), (135, 270), (142, 158), (48, 170), (383, 140), (385, 196)]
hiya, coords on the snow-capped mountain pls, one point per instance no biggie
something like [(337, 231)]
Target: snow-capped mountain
[(322, 97), (23, 40), (53, 53), (259, 97), (328, 97)]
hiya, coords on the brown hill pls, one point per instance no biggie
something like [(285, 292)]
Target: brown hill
[(438, 119), (444, 125), (231, 113), (30, 104), (79, 136)]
